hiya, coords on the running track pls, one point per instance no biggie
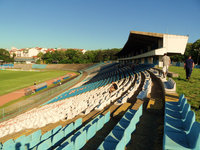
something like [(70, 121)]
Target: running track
[(20, 93)]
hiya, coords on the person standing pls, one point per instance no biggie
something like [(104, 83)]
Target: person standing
[(188, 66), (166, 62)]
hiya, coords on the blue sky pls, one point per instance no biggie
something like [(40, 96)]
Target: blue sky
[(93, 24)]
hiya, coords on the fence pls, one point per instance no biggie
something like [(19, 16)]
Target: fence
[(31, 102)]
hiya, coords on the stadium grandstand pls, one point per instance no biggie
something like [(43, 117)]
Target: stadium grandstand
[(143, 112), (147, 47)]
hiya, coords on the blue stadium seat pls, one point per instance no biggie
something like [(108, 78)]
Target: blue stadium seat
[(180, 124), (183, 141), (68, 129), (57, 138), (10, 144), (35, 138), (120, 136), (79, 140), (90, 130), (181, 132), (78, 123), (21, 142), (112, 145), (57, 129), (178, 114), (107, 117), (45, 145), (181, 97), (66, 146), (142, 94), (100, 123), (47, 135), (178, 107)]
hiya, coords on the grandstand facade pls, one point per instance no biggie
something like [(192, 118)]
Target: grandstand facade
[(148, 47)]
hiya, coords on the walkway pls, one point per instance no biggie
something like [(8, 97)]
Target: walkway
[(149, 131)]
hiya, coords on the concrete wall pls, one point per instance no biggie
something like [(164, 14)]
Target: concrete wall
[(175, 43), (23, 66), (74, 67)]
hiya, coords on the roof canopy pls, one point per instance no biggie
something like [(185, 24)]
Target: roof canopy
[(140, 40), (24, 59)]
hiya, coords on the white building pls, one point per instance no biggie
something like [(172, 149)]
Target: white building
[(27, 52), (30, 54)]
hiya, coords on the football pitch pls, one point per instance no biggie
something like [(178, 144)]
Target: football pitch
[(14, 80)]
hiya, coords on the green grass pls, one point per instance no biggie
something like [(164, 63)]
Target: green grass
[(191, 89), (14, 80)]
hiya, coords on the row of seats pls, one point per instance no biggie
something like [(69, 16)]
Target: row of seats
[(40, 86), (57, 81), (120, 136), (122, 84), (79, 138), (156, 72), (69, 108), (181, 131), (54, 112), (104, 75), (146, 89), (33, 140), (86, 88), (113, 72), (170, 86), (66, 77), (96, 65), (131, 90)]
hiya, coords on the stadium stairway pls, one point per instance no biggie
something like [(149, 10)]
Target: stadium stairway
[(149, 130), (99, 138)]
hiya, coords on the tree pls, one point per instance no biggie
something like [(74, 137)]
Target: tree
[(75, 56), (5, 56), (39, 56), (47, 58), (196, 51), (192, 49), (99, 56), (58, 56), (89, 57)]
